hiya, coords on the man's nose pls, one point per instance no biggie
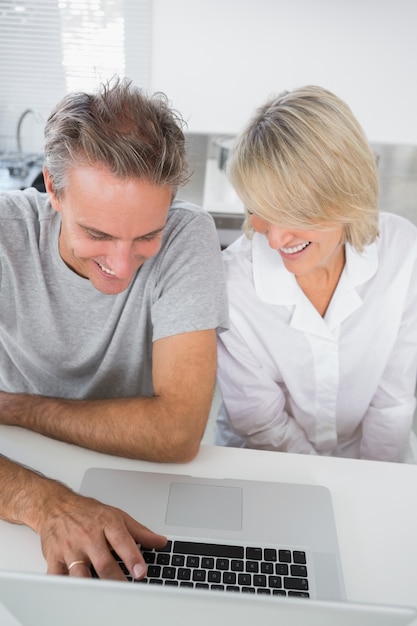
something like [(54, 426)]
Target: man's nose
[(123, 259)]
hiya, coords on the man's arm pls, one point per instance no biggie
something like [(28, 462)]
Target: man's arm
[(166, 427), (71, 527)]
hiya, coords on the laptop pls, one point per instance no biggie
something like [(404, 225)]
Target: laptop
[(41, 600), (263, 538)]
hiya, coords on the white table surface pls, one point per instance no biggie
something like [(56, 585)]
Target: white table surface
[(375, 505)]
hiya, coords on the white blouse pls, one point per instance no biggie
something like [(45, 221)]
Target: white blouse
[(341, 385)]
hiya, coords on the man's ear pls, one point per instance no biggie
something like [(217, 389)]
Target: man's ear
[(50, 190)]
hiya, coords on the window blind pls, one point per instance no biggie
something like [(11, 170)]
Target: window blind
[(50, 47)]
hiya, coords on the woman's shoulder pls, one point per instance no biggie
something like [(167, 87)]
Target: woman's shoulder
[(397, 239), (393, 225)]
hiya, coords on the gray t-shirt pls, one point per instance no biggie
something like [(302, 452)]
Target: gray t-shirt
[(59, 336)]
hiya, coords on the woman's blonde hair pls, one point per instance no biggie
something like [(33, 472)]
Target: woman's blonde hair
[(303, 162)]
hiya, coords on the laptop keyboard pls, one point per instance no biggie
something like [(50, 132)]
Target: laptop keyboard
[(241, 569)]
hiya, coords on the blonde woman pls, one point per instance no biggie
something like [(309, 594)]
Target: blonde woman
[(321, 355)]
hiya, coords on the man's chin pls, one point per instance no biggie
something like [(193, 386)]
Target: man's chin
[(110, 287)]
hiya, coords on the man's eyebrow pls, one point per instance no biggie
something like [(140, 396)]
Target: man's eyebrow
[(101, 233), (151, 234)]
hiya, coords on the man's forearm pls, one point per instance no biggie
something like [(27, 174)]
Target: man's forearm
[(166, 427), (25, 494), (145, 428)]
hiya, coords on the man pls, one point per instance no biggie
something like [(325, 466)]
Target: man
[(110, 296)]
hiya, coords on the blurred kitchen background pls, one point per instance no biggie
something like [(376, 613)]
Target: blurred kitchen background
[(216, 60)]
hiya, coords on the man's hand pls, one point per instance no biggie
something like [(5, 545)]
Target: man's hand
[(76, 532), (85, 532)]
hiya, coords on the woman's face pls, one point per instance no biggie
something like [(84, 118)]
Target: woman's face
[(304, 251)]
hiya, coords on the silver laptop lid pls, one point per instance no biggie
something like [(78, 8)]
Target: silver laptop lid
[(36, 600)]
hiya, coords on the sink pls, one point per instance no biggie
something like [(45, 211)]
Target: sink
[(19, 170)]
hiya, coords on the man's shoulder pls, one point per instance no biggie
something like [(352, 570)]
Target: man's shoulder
[(27, 205), (190, 221), (182, 210)]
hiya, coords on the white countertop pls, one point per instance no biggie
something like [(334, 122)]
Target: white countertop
[(375, 505)]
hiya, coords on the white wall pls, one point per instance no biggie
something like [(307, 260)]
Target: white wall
[(218, 59)]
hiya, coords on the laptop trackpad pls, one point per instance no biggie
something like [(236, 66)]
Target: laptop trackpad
[(205, 506)]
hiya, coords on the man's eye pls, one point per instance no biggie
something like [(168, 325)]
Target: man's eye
[(96, 236)]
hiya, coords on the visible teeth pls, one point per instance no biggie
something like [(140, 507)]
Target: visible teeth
[(106, 269), (301, 246)]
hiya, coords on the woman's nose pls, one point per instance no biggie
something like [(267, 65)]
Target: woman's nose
[(277, 237)]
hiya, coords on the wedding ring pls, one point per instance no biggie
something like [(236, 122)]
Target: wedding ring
[(79, 562)]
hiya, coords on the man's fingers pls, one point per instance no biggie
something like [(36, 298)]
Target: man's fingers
[(88, 533), (128, 550)]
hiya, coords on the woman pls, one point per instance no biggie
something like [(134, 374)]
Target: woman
[(321, 355)]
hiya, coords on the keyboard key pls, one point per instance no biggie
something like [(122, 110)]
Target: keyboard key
[(163, 559), (184, 573), (259, 580), (267, 568), (275, 581), (199, 575), (193, 561), (168, 572), (299, 557), (167, 547), (270, 554), (223, 564), (281, 569), (300, 584), (209, 549), (284, 556), (154, 571), (149, 557), (298, 570), (252, 566), (254, 554), (207, 562), (214, 577), (229, 578), (299, 594), (245, 580)]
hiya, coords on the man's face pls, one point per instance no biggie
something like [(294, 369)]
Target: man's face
[(110, 226)]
